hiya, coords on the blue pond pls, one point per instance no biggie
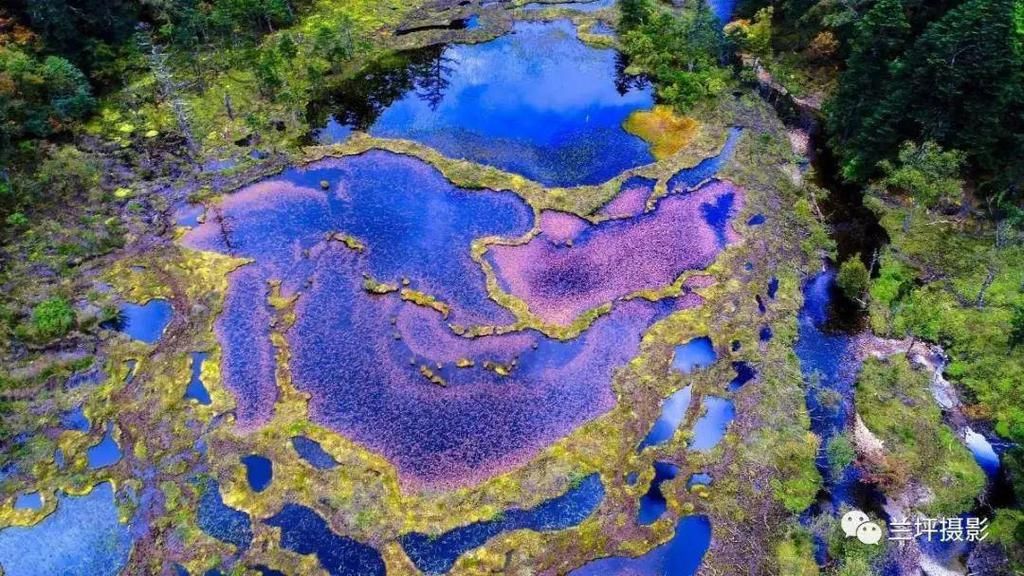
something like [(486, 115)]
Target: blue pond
[(717, 216), (189, 214), (756, 220), (220, 520), (710, 428), (698, 479), (680, 556), (76, 420), (694, 355), (195, 389), (144, 322), (744, 373), (83, 537), (437, 554), (773, 287), (259, 471), (653, 503), (537, 102), (312, 452), (106, 453), (305, 532), (761, 308), (689, 178), (765, 334), (673, 410), (29, 501)]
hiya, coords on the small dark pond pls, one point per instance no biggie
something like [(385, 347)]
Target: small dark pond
[(437, 554), (305, 532), (143, 322), (673, 410), (196, 390), (680, 556), (220, 520), (259, 471), (711, 427), (106, 453), (653, 504), (312, 452)]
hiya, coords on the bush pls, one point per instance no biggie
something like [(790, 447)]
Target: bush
[(53, 318), (853, 278)]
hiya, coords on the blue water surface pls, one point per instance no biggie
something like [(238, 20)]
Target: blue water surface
[(220, 520), (259, 471), (537, 102), (710, 428), (680, 556), (653, 503), (698, 479), (744, 373), (106, 453), (196, 390), (717, 216), (694, 355), (689, 178), (305, 532), (312, 452), (673, 410), (437, 554), (76, 420), (143, 322), (29, 501), (83, 537)]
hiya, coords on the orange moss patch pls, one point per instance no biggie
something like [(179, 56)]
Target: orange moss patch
[(663, 129)]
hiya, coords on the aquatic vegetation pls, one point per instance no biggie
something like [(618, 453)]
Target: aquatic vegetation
[(306, 532), (436, 554), (680, 556), (336, 317), (652, 503), (632, 198), (663, 129), (83, 537), (615, 258), (311, 451), (220, 520)]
